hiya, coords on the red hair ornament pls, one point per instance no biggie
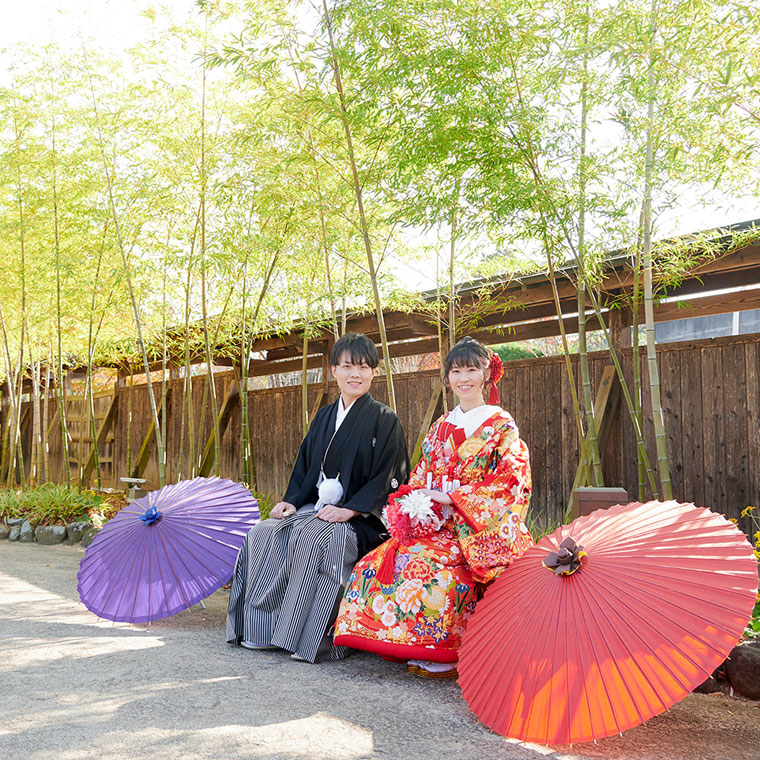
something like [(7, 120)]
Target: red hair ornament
[(497, 370)]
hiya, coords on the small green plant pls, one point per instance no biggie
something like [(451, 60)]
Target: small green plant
[(753, 627), (508, 352), (51, 504), (10, 504), (265, 501), (538, 529), (55, 504)]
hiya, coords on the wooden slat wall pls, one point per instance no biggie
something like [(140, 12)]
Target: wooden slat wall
[(711, 406)]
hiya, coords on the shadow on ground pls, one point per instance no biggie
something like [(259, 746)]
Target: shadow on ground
[(77, 688)]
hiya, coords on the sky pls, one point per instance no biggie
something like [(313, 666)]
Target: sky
[(118, 24), (118, 21)]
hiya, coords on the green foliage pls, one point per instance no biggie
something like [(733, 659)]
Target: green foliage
[(753, 627), (10, 504), (464, 108), (51, 504), (265, 501), (513, 351), (538, 529), (750, 522)]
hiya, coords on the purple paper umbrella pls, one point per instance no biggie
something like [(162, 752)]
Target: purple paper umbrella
[(166, 551)]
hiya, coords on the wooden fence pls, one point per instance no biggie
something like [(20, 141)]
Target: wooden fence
[(711, 401)]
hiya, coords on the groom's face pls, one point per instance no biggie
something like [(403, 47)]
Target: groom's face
[(354, 379)]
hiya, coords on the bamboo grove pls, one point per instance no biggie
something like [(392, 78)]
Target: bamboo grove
[(255, 166)]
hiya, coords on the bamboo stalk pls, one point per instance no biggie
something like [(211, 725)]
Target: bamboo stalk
[(532, 162), (528, 154), (305, 383), (188, 411), (452, 294), (60, 389), (9, 441), (89, 389), (16, 450), (245, 433), (360, 206), (597, 478), (46, 416), (249, 463), (439, 329), (635, 357), (130, 379), (130, 288), (164, 404), (211, 383), (646, 255), (36, 454)]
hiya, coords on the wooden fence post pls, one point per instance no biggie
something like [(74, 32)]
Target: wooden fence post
[(100, 438), (207, 461), (605, 406), (427, 421), (144, 456)]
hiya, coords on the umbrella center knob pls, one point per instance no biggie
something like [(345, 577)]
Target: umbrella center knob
[(151, 516), (567, 559)]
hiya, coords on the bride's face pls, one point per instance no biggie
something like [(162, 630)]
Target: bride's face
[(467, 383)]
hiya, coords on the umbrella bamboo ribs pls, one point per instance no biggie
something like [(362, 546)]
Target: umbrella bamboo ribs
[(661, 598)]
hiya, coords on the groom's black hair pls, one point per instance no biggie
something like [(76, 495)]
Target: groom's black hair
[(360, 349)]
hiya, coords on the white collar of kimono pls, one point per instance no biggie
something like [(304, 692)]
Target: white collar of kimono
[(472, 419), (342, 412)]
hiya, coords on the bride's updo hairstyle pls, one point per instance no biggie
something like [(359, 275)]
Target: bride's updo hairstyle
[(468, 353)]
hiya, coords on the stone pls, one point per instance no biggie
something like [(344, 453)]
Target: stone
[(75, 531), (4, 531), (26, 536), (50, 534), (743, 669), (88, 535), (709, 686), (15, 533), (15, 521)]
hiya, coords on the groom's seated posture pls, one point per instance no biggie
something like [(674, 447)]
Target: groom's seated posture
[(291, 571)]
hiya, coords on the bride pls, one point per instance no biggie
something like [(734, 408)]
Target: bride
[(410, 598)]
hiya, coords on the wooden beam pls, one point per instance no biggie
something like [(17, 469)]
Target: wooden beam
[(605, 406), (723, 303), (25, 415), (56, 421), (100, 439), (231, 398), (144, 456), (321, 398), (433, 405)]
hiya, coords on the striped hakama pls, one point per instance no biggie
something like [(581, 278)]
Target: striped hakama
[(288, 583)]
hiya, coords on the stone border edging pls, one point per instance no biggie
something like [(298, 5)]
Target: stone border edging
[(19, 529)]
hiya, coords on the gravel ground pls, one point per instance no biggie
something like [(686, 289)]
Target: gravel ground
[(77, 688)]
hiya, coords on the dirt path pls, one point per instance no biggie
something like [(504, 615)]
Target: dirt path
[(76, 688)]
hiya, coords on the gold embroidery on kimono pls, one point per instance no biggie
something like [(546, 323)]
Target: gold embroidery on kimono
[(435, 586)]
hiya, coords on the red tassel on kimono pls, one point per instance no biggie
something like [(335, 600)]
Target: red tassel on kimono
[(385, 571)]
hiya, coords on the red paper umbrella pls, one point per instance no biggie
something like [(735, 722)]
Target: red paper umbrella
[(660, 599)]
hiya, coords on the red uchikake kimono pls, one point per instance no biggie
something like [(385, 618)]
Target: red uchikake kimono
[(423, 612)]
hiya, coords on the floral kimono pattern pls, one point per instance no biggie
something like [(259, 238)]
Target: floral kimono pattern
[(422, 613)]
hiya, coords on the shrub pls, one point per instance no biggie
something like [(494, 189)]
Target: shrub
[(513, 351), (10, 504), (265, 501), (753, 520), (55, 504)]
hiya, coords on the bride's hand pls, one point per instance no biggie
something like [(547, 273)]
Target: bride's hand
[(438, 496)]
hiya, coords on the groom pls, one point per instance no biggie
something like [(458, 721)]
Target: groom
[(290, 573)]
